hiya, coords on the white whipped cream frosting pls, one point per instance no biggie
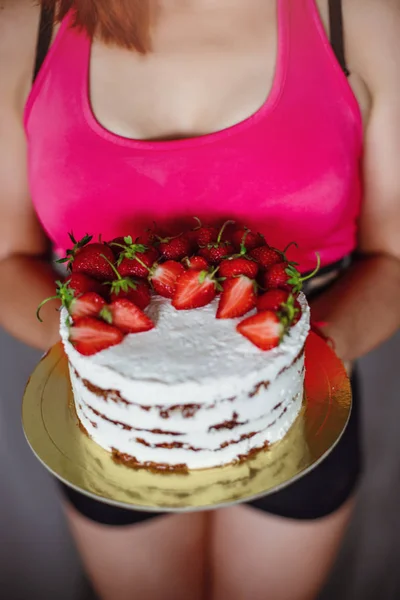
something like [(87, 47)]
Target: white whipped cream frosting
[(190, 358)]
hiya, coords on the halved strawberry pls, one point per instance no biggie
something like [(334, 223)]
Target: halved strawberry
[(194, 290), (244, 239), (81, 284), (87, 305), (90, 336), (231, 267), (164, 277), (196, 263), (175, 248), (238, 297), (266, 256), (128, 317), (264, 330)]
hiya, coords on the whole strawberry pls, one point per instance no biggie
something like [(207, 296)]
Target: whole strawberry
[(135, 290), (81, 284), (232, 267), (91, 259), (196, 263), (238, 297), (174, 248), (215, 252), (266, 256), (136, 260), (195, 289), (202, 235), (272, 300), (245, 239), (284, 275)]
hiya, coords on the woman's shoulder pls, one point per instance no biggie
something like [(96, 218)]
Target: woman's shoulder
[(372, 33), (19, 22)]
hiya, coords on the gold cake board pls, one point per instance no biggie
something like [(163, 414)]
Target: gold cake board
[(52, 431)]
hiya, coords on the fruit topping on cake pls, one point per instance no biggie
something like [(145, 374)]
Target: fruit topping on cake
[(110, 285)]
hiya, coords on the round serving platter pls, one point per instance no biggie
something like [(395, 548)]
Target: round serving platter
[(52, 431)]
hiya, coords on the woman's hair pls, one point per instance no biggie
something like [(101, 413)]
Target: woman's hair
[(125, 23)]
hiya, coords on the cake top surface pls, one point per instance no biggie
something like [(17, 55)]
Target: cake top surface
[(190, 346)]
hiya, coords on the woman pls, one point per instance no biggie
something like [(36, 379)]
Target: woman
[(225, 108)]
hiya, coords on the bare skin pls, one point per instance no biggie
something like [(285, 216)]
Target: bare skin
[(244, 552)]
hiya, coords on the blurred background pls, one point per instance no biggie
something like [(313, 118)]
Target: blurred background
[(37, 556)]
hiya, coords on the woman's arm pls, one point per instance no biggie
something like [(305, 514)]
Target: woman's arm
[(26, 277), (363, 308)]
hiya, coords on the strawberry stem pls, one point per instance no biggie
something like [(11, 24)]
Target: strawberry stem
[(288, 246), (224, 226), (199, 223), (243, 249), (112, 266), (315, 270), (41, 306)]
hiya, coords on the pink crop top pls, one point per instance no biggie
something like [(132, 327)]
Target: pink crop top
[(291, 170)]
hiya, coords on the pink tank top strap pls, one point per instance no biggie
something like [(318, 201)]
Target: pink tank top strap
[(70, 52)]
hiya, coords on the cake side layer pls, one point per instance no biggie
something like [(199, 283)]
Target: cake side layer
[(212, 437), (186, 458), (190, 357)]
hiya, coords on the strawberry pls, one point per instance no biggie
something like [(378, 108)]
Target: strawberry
[(266, 256), (284, 275), (72, 252), (264, 330), (87, 305), (81, 284), (174, 248), (127, 317), (69, 297), (281, 301), (196, 263), (244, 239), (194, 290), (164, 277), (136, 260), (238, 297), (118, 245), (272, 300), (201, 236), (91, 260), (90, 336), (231, 267), (214, 252), (137, 291)]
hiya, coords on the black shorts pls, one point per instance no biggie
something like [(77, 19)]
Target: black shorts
[(317, 494)]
